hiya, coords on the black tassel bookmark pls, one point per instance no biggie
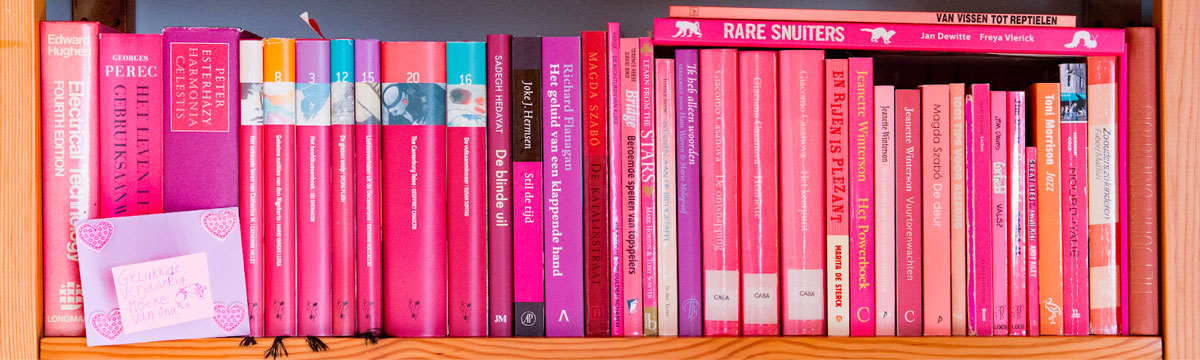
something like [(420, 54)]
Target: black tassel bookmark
[(276, 348), (248, 341), (315, 343), (371, 337)]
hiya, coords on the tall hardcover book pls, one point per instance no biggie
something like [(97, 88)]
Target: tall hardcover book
[(631, 206), (861, 160), (529, 295), (279, 119), (251, 190), (899, 17), (562, 150), (314, 235), (1044, 105), (1102, 198), (719, 184), (500, 185), (131, 111), (837, 225), (368, 187), (998, 144), (1142, 185), (885, 210), (935, 199), (758, 172), (958, 210), (466, 142), (595, 183), (1073, 84), (909, 277), (202, 119), (616, 204), (1031, 236), (801, 191), (414, 183), (70, 71), (668, 240), (1018, 248), (646, 173), (342, 175), (688, 185)]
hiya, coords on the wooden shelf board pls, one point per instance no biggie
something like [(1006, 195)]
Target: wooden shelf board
[(656, 348)]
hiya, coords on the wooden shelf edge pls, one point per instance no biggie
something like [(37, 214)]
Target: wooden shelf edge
[(657, 348)]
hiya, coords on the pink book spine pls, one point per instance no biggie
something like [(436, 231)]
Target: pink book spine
[(341, 132), (466, 138), (70, 171), (1074, 104), (279, 109), (971, 218), (887, 36), (980, 215), (631, 237), (414, 170), (500, 185), (885, 211), (251, 190), (908, 213), (314, 238), (906, 17), (758, 173), (935, 199), (719, 184), (958, 210), (999, 212), (862, 195), (368, 219), (1017, 248), (1123, 222), (1102, 200), (801, 187), (1031, 238), (131, 108), (615, 176), (646, 174), (837, 227)]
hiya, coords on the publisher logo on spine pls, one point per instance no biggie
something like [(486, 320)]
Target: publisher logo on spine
[(686, 28), (528, 319)]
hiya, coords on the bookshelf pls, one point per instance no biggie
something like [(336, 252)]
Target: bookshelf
[(20, 240)]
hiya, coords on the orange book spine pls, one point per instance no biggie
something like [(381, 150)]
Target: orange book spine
[(1102, 197), (1045, 108)]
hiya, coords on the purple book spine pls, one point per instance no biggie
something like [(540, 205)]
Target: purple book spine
[(687, 105), (562, 150), (500, 233)]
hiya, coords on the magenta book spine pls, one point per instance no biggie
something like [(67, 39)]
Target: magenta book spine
[(758, 172), (888, 37), (279, 109), (341, 137), (837, 229), (70, 62), (1076, 310), (562, 153), (466, 216), (885, 211), (646, 175), (801, 187), (999, 212), (616, 160), (500, 186), (1018, 248), (1031, 238), (314, 233), (862, 196), (719, 183), (368, 219), (251, 191), (908, 213), (529, 296), (980, 219), (131, 120), (414, 183), (631, 237)]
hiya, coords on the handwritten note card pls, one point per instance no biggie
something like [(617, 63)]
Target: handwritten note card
[(164, 292)]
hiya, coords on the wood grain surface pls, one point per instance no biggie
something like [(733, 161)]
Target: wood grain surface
[(20, 178)]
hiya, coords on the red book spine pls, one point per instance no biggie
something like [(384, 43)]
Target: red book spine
[(801, 187), (758, 172), (595, 184), (837, 226), (70, 183), (1102, 200), (1143, 183), (466, 131), (251, 189), (719, 184), (279, 108), (862, 195), (935, 226), (341, 103), (1018, 248), (908, 214), (367, 188), (1073, 85), (500, 186), (414, 170), (314, 236), (131, 122), (646, 174), (1031, 238)]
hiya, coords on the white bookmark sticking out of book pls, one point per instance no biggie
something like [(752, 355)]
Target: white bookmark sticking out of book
[(312, 24)]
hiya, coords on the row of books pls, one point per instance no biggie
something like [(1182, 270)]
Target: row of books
[(572, 186)]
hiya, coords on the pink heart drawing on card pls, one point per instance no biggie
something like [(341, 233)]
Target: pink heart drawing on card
[(228, 318), (94, 236), (219, 225), (108, 325)]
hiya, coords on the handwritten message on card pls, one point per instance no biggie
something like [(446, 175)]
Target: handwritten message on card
[(164, 292)]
